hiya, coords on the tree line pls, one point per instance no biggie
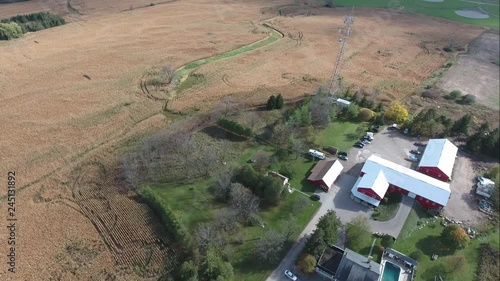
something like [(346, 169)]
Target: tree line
[(16, 26)]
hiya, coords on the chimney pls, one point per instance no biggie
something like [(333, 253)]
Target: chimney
[(369, 259)]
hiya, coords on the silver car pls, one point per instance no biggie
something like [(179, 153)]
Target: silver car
[(290, 275)]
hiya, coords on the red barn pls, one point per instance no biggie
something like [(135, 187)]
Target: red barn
[(325, 173), (438, 159), (379, 177)]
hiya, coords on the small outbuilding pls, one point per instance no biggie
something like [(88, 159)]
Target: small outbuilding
[(325, 173), (342, 103), (438, 159)]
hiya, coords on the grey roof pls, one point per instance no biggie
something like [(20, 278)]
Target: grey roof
[(354, 267), (330, 259)]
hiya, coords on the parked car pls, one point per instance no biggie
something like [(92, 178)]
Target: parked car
[(413, 158), (366, 141), (343, 157), (290, 275), (416, 152), (315, 197), (373, 129), (359, 145), (485, 181), (342, 153)]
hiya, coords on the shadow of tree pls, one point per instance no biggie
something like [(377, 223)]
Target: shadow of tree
[(431, 245)]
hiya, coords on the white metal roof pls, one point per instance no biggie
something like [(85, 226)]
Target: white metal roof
[(439, 153), (376, 182), (343, 101), (362, 196), (333, 173), (411, 180)]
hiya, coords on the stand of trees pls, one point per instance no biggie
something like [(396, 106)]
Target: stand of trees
[(18, 25), (485, 142)]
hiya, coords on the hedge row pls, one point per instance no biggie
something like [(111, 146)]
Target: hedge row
[(234, 127), (9, 28), (167, 216)]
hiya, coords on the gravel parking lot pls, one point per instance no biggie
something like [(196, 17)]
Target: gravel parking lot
[(388, 144), (394, 146), (463, 204)]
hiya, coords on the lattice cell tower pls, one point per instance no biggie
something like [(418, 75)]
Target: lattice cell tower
[(345, 31)]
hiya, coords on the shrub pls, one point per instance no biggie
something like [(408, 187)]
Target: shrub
[(387, 241), (431, 94), (418, 255), (286, 171), (455, 94), (234, 127), (307, 263), (468, 99), (10, 31), (167, 216), (365, 114), (281, 154)]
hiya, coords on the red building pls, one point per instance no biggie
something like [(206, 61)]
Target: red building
[(438, 159), (325, 173), (379, 177)]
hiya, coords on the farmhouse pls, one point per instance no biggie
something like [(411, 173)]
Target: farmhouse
[(325, 173), (379, 176), (347, 265), (438, 159)]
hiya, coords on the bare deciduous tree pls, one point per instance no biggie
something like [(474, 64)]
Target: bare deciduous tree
[(169, 71), (207, 159), (269, 248), (261, 160), (299, 205), (222, 185), (243, 201), (289, 226), (226, 220), (206, 235), (320, 109), (281, 133)]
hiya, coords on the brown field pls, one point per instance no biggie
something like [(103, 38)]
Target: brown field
[(388, 55), (62, 132)]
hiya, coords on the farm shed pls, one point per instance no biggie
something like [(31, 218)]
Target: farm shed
[(438, 159), (325, 173), (281, 177), (379, 176)]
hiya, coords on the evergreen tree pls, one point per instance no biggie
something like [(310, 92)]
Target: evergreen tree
[(271, 103), (462, 125), (279, 102)]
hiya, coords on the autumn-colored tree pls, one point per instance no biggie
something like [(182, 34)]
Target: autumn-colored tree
[(454, 236), (307, 263), (397, 113)]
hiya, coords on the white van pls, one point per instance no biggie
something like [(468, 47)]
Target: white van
[(316, 154)]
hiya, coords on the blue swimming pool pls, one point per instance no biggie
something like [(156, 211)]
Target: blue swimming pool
[(391, 272)]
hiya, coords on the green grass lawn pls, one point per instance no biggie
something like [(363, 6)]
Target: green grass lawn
[(445, 10), (193, 205), (341, 134), (387, 211), (425, 237)]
